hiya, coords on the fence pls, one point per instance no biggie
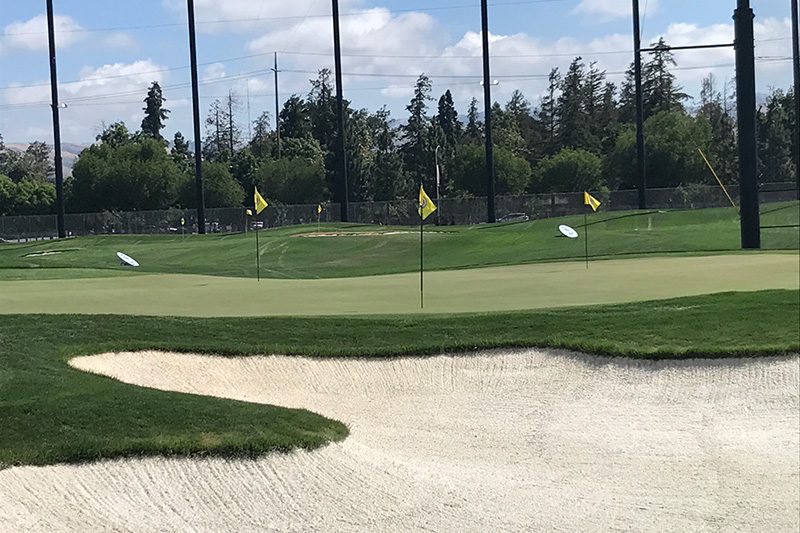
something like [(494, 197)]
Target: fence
[(460, 211)]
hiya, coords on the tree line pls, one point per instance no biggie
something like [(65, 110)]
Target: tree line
[(580, 136)]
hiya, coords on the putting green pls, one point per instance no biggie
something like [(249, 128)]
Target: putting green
[(488, 289)]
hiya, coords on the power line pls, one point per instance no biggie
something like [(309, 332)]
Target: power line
[(324, 54), (457, 80), (284, 18)]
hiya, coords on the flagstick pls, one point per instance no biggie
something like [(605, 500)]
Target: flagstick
[(258, 265), (586, 238), (421, 301)]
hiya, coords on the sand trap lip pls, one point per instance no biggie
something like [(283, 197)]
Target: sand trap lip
[(352, 233), (40, 254), (496, 441)]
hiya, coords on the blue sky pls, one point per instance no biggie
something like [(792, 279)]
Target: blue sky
[(110, 52)]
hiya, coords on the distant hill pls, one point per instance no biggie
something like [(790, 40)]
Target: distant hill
[(69, 152)]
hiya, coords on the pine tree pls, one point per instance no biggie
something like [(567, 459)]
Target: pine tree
[(722, 151), (594, 104), (548, 113), (416, 149), (154, 112), (572, 119), (180, 152), (474, 129), (262, 141), (659, 90), (447, 119)]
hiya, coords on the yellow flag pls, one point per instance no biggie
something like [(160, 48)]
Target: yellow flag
[(590, 200), (183, 222), (426, 206), (249, 211), (319, 209), (260, 203)]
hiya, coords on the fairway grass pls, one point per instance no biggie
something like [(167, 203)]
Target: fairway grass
[(518, 287)]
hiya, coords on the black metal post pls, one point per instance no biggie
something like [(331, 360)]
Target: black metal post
[(62, 232), (746, 119), (277, 112), (641, 181), (198, 141), (337, 56), (796, 62), (487, 106)]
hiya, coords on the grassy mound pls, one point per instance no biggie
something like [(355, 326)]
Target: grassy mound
[(347, 250)]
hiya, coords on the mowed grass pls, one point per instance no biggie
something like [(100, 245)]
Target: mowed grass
[(503, 288), (53, 413), (349, 250)]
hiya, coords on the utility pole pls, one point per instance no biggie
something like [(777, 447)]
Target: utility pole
[(746, 119), (337, 56), (641, 182), (230, 120), (487, 106), (249, 130), (198, 141), (796, 62), (62, 232), (277, 115)]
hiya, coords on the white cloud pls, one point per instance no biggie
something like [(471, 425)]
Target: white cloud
[(215, 71), (213, 16), (102, 95), (31, 35)]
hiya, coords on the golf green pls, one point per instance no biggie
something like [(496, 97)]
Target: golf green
[(515, 287)]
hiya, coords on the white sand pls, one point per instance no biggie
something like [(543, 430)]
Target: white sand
[(525, 440)]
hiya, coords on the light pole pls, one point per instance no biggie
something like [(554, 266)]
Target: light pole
[(487, 121), (62, 232)]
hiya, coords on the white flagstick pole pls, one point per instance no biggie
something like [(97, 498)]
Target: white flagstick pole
[(421, 300)]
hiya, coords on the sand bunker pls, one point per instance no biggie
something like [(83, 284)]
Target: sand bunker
[(525, 440)]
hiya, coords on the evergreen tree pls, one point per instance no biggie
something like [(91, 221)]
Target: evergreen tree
[(573, 122), (447, 119), (594, 103), (505, 131), (180, 152), (519, 110), (659, 90), (548, 112), (776, 123), (722, 151), (321, 109), (627, 98), (154, 112), (261, 145), (474, 129), (387, 181), (607, 117), (418, 157), (295, 120)]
